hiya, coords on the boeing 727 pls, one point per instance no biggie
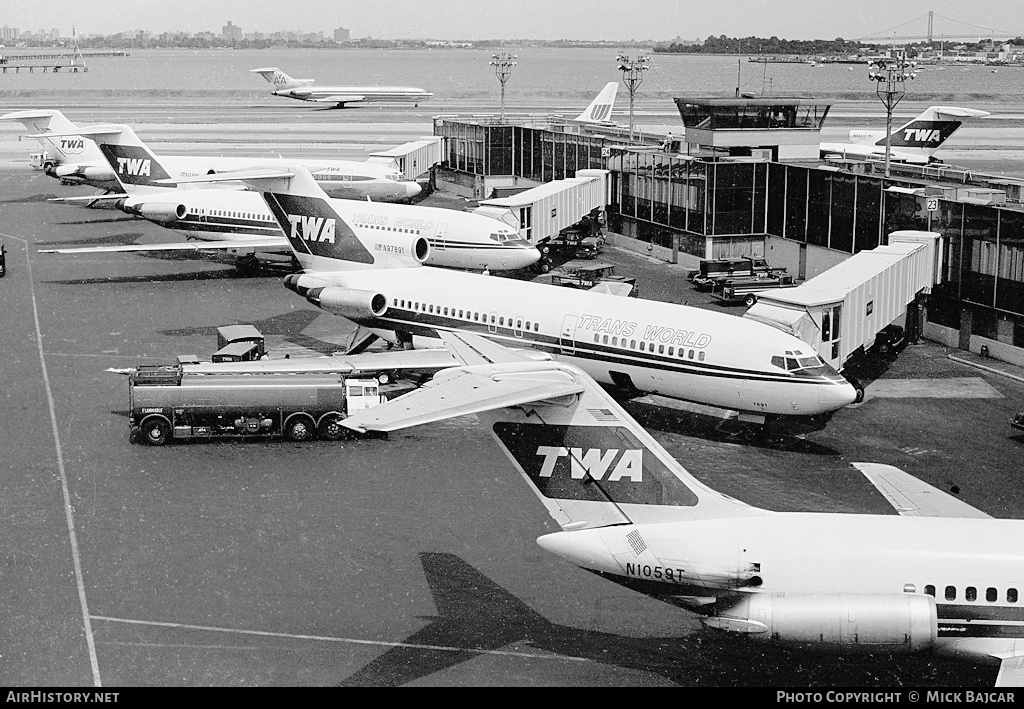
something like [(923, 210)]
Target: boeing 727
[(914, 142), (302, 90), (79, 160), (674, 350), (239, 221), (938, 576)]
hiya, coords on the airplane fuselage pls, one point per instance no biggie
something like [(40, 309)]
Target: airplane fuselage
[(663, 348), (356, 94), (972, 570), (457, 239)]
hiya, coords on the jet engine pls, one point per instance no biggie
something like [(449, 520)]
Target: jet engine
[(348, 302), (159, 212), (89, 172), (395, 250), (844, 622)]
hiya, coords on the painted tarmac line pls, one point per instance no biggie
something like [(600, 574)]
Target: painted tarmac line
[(329, 639), (69, 515)]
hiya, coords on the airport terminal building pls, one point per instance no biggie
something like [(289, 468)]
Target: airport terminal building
[(748, 180)]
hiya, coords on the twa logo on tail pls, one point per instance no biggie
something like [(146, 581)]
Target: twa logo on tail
[(597, 463), (134, 165), (922, 134), (320, 229)]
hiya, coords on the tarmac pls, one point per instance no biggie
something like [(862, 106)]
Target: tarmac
[(408, 561)]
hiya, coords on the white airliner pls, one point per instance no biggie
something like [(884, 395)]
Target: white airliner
[(939, 575), (77, 160), (239, 221), (81, 160), (674, 350), (914, 142), (301, 89)]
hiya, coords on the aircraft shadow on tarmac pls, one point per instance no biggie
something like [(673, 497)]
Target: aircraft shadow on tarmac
[(45, 197), (476, 616), (79, 222), (289, 325), (782, 435), (125, 239)]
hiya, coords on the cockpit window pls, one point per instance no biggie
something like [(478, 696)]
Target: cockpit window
[(793, 364), (500, 238)]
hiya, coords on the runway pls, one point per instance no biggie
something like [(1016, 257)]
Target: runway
[(409, 561)]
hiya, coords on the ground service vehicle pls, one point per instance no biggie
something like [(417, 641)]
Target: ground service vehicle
[(165, 402), (735, 290), (3, 260), (1018, 421), (599, 274), (713, 271)]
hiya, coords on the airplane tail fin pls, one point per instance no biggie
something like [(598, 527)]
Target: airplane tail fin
[(319, 237), (927, 132), (55, 133), (585, 458), (600, 109), (134, 165), (278, 79)]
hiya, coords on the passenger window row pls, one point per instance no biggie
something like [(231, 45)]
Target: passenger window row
[(468, 315), (970, 593), (389, 228), (682, 352)]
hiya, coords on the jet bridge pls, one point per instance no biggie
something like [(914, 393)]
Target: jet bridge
[(412, 159), (842, 311)]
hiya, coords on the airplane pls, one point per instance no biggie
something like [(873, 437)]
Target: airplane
[(239, 221), (76, 160), (600, 109), (641, 345), (914, 142), (300, 89), (344, 179), (940, 575)]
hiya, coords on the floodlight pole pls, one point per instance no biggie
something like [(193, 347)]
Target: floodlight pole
[(503, 64), (632, 69), (890, 75)]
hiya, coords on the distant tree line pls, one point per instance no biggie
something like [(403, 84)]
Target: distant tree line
[(761, 45)]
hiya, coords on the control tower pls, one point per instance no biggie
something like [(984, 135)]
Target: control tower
[(769, 128)]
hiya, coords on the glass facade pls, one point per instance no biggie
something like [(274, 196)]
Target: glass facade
[(984, 267), (684, 201)]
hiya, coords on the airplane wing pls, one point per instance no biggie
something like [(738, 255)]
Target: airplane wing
[(337, 98), (266, 243), (89, 199), (253, 173), (913, 497), (1011, 672), (492, 377)]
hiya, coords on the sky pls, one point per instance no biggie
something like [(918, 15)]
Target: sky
[(656, 20)]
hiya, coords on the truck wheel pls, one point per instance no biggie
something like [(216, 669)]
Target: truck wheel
[(299, 429), (384, 378), (750, 299), (545, 266), (330, 429), (156, 432)]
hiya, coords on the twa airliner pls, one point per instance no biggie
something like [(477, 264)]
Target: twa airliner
[(914, 142), (674, 350), (239, 221), (302, 90), (938, 576)]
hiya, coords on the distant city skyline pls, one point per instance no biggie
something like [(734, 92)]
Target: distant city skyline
[(653, 20)]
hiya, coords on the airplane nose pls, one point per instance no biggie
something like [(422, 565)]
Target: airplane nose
[(841, 393), (412, 188)]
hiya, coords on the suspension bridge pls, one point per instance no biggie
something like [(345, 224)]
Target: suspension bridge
[(947, 28)]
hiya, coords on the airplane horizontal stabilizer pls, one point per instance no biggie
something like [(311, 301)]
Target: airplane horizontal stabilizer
[(261, 244), (1011, 672), (913, 497), (89, 199)]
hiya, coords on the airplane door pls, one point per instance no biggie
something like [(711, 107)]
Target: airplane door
[(517, 328), (440, 234), (567, 338), (492, 322)]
